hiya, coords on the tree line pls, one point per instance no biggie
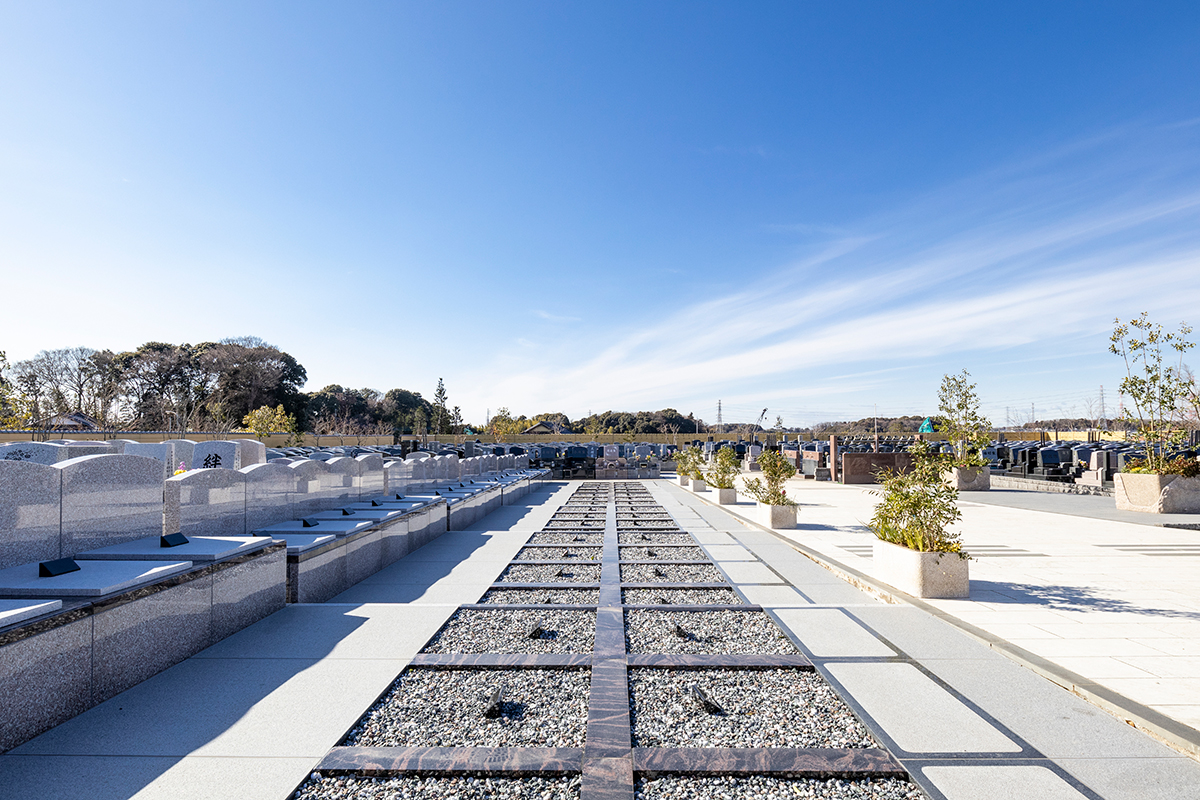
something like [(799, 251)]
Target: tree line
[(212, 386)]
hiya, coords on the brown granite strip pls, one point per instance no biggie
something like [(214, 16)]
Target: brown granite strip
[(388, 761), (608, 727), (507, 660), (607, 779), (794, 761), (721, 660)]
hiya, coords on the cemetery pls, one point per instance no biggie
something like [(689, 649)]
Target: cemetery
[(633, 637)]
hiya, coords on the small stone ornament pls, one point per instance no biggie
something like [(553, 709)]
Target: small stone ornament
[(651, 553), (658, 573), (535, 631), (704, 699), (492, 710), (663, 600), (679, 631)]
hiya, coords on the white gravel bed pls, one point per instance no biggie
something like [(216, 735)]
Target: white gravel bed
[(507, 631), (763, 708), (445, 708), (681, 597), (704, 632), (349, 787), (633, 537), (671, 573), (550, 573), (651, 552), (516, 597), (559, 553), (574, 525), (761, 787), (567, 538)]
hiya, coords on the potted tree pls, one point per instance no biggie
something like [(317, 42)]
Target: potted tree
[(1157, 392), (721, 475), (695, 465), (914, 549), (682, 470), (776, 509), (968, 432)]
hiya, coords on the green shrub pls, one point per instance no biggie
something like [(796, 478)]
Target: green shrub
[(918, 506), (1185, 467), (775, 470), (724, 470)]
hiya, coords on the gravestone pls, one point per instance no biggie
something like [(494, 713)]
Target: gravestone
[(77, 449), (121, 445), (270, 489), (185, 449), (339, 483), (216, 455), (109, 499), (611, 452), (372, 476), (399, 476), (252, 452), (163, 451), (30, 511), (205, 502), (310, 484), (34, 452)]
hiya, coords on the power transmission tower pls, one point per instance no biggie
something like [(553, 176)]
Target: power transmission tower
[(1103, 421), (719, 421)]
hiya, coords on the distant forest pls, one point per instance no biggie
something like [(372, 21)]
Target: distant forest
[(213, 386)]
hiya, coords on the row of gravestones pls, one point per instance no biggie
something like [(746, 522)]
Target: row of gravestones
[(64, 508), (50, 511), (173, 453)]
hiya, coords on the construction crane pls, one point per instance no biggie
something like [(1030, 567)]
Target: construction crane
[(759, 422)]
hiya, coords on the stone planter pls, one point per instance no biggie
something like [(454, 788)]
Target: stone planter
[(970, 479), (699, 485), (921, 574), (780, 517), (1157, 494), (726, 497), (684, 481)]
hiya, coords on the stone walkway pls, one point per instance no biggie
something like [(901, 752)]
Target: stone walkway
[(1102, 601), (251, 716)]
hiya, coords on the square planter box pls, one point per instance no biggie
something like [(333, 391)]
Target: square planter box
[(699, 486), (685, 481), (780, 517), (726, 497), (978, 479), (921, 574), (1157, 494)]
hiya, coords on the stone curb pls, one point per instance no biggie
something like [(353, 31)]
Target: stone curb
[(1171, 732)]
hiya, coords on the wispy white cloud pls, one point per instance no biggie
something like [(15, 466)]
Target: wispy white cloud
[(546, 315), (1047, 250)]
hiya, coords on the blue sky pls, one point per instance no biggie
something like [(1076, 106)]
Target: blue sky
[(815, 208)]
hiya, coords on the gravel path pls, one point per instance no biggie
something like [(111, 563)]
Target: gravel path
[(344, 787), (664, 553), (445, 708), (550, 573), (763, 708), (681, 597), (559, 553), (567, 538), (507, 631), (671, 573), (705, 632), (516, 597), (679, 787), (629, 537)]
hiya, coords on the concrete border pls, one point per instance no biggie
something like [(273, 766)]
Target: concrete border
[(1174, 734)]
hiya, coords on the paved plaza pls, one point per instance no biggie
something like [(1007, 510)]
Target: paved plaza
[(963, 693)]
